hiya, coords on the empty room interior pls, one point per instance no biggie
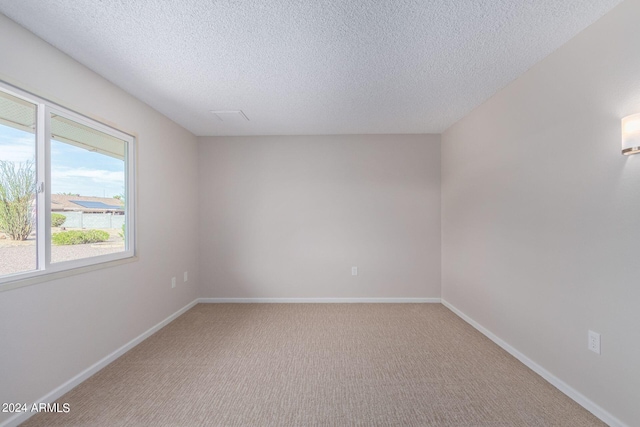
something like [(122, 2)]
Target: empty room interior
[(329, 213)]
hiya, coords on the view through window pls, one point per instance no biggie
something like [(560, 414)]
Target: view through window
[(65, 189), (18, 224), (87, 191)]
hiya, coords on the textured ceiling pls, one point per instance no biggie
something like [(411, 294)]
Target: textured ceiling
[(309, 67)]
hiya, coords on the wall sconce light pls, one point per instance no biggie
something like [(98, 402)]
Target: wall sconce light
[(631, 135)]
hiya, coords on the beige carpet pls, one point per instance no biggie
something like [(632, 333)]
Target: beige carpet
[(317, 364)]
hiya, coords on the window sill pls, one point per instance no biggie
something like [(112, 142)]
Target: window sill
[(47, 277)]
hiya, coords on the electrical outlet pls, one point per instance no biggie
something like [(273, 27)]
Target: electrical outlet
[(594, 342), (186, 277), (354, 271), (173, 282)]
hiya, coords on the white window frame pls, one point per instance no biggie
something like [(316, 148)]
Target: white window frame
[(44, 266)]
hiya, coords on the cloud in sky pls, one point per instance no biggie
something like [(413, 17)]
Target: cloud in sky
[(87, 182), (73, 170), (99, 176), (19, 149), (78, 171)]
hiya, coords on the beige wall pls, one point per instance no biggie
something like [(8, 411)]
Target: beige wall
[(52, 331), (540, 214), (287, 217)]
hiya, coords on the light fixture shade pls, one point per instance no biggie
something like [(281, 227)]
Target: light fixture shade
[(631, 134)]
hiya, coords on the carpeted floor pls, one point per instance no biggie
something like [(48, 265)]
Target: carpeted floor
[(317, 364)]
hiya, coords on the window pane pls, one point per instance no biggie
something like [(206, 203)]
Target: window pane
[(87, 191), (18, 252)]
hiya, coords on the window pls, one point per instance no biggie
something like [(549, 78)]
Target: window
[(66, 189)]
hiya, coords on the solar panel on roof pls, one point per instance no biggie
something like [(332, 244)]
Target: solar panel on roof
[(96, 205)]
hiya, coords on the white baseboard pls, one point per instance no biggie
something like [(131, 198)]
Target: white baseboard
[(82, 376), (555, 381), (316, 300)]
